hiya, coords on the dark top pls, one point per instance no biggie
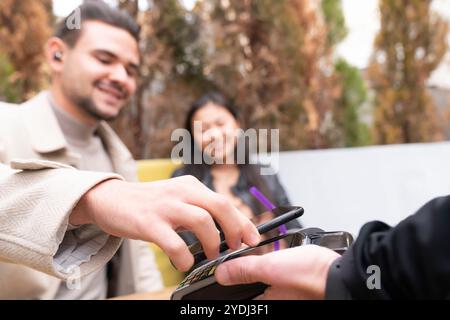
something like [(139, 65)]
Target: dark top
[(276, 194), (413, 259)]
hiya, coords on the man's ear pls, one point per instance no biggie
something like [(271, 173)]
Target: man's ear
[(55, 51)]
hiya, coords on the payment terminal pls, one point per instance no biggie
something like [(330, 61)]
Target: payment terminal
[(201, 284)]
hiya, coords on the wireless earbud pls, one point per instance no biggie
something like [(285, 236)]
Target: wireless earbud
[(57, 56)]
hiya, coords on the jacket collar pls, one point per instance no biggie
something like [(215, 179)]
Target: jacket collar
[(121, 157), (46, 136)]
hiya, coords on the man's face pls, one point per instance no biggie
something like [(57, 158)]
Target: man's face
[(100, 72)]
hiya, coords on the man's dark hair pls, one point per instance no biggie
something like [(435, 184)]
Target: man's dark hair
[(95, 11)]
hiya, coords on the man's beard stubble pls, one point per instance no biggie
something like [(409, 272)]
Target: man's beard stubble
[(87, 104)]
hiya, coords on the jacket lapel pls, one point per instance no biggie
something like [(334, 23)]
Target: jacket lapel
[(121, 157), (46, 136)]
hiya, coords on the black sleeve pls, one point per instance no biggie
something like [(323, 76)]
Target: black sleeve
[(413, 258)]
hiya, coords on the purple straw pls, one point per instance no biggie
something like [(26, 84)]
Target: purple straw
[(270, 206)]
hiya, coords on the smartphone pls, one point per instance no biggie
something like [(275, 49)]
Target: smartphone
[(201, 284), (267, 224)]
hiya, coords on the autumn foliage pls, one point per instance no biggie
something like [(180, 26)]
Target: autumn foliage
[(275, 59), (409, 46), (25, 26)]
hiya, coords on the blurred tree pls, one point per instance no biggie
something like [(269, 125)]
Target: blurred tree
[(409, 46), (273, 58), (335, 20), (354, 95), (10, 86), (350, 131), (24, 28)]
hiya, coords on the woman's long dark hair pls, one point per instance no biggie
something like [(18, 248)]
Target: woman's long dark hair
[(248, 170)]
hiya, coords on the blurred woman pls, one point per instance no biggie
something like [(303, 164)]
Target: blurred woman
[(213, 124)]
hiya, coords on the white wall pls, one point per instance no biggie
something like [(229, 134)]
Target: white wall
[(341, 189)]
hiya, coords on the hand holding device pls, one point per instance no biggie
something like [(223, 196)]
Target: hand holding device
[(282, 216), (201, 283)]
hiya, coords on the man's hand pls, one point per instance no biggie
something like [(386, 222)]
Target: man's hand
[(295, 273), (155, 211)]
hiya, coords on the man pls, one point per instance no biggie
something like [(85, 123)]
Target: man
[(41, 198), (408, 261), (94, 72)]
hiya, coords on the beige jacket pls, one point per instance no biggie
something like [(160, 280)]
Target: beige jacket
[(31, 131), (43, 194)]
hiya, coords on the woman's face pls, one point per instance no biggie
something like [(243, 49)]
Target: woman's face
[(215, 131)]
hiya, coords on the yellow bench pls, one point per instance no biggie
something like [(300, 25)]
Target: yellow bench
[(153, 170), (157, 169)]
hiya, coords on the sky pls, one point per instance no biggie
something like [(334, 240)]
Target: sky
[(362, 20)]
